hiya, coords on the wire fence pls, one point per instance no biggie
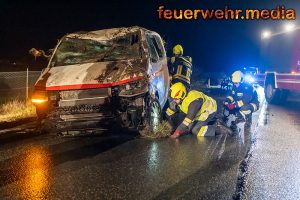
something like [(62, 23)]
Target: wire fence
[(17, 85)]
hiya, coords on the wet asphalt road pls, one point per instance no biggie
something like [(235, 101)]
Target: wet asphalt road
[(274, 169), (125, 166)]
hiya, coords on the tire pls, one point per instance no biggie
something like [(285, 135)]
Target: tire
[(47, 127), (40, 113), (275, 96), (43, 125), (272, 94), (152, 119)]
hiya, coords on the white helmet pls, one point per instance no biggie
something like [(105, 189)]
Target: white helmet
[(237, 77)]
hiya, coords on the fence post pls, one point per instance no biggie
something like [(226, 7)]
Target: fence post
[(27, 84)]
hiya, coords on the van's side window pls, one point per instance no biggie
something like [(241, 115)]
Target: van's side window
[(158, 45), (153, 52)]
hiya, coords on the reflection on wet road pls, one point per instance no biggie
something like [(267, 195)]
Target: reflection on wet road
[(35, 169), (125, 166), (118, 166)]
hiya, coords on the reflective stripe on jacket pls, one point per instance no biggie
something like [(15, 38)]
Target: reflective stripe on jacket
[(209, 105), (182, 68), (244, 95)]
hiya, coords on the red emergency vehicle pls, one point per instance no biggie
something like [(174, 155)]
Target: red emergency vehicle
[(280, 55)]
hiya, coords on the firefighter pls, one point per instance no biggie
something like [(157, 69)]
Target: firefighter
[(197, 109), (241, 102), (180, 67)]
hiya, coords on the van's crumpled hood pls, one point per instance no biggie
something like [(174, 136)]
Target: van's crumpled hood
[(92, 75)]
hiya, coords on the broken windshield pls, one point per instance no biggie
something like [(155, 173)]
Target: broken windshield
[(78, 51)]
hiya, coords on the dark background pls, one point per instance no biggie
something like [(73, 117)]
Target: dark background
[(215, 45)]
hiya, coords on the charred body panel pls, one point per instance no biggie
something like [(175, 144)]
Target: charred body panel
[(103, 75)]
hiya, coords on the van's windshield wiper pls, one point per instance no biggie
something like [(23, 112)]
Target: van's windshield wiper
[(106, 54)]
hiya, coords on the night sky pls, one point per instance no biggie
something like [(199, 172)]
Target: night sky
[(213, 44)]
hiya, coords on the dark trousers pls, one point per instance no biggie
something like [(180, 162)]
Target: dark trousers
[(195, 127), (207, 125)]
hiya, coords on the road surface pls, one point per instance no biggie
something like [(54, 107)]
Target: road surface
[(274, 170), (124, 166)]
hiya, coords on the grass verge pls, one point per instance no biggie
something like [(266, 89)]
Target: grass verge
[(15, 110), (163, 130)]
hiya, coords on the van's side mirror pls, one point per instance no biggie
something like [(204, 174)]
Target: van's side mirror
[(154, 58), (38, 53)]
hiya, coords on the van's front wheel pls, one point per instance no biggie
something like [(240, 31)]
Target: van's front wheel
[(152, 120)]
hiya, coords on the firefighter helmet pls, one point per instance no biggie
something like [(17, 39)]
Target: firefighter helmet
[(237, 77), (178, 91), (178, 50)]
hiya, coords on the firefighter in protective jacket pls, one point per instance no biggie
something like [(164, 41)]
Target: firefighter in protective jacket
[(242, 100), (197, 108), (180, 67)]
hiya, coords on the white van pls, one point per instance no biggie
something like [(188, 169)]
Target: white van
[(98, 77)]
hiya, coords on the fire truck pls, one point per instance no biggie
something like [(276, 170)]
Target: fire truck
[(280, 56)]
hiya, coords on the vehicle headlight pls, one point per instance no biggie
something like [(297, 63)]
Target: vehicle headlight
[(127, 86), (133, 88), (133, 85), (249, 79), (39, 97)]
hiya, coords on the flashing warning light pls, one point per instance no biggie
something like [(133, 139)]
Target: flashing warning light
[(265, 34), (39, 97), (39, 100), (289, 27)]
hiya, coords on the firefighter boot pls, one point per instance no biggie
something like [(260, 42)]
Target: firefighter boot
[(248, 121), (241, 131), (237, 121), (222, 128), (240, 117)]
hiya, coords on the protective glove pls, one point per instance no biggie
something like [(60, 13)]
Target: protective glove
[(180, 130), (176, 134), (229, 106)]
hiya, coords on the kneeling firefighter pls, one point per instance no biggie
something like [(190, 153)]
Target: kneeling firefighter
[(240, 103), (197, 109), (180, 67)]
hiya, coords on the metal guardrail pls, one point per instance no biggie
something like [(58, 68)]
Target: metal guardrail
[(17, 84)]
